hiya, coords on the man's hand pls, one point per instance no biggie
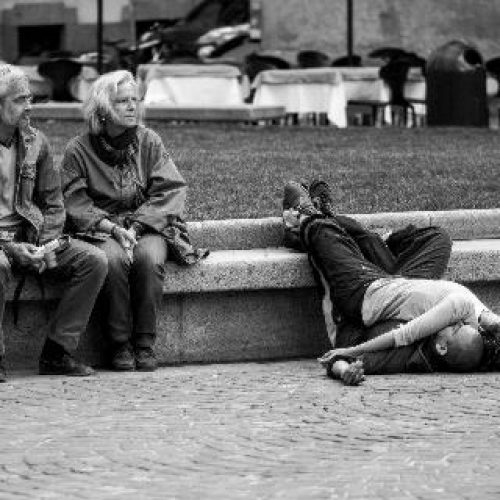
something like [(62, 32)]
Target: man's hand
[(25, 255)]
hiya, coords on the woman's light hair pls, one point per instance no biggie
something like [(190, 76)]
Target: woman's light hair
[(10, 77), (99, 104)]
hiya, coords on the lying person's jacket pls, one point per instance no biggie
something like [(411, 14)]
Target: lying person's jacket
[(145, 191), (38, 197), (419, 357)]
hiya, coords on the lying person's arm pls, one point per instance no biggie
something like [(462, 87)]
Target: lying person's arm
[(452, 309)]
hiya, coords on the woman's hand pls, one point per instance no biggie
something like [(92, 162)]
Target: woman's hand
[(126, 238)]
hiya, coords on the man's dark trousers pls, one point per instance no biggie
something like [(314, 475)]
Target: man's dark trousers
[(83, 269)]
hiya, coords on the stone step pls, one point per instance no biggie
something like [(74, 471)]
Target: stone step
[(234, 234), (281, 268)]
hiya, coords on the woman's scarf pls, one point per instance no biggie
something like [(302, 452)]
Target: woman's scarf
[(115, 150)]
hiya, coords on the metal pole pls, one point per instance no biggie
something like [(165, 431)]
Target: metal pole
[(99, 37), (350, 31), (133, 33)]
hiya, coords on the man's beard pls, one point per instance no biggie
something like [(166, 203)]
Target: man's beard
[(25, 122)]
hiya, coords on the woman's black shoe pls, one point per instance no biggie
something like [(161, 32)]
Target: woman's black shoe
[(122, 358), (65, 365), (145, 359)]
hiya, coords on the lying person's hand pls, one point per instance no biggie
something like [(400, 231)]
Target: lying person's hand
[(353, 374), (333, 355), (349, 372)]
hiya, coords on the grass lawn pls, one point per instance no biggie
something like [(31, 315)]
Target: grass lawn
[(237, 171)]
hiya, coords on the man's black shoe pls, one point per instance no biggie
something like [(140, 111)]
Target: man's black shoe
[(145, 359), (296, 197), (122, 358), (3, 370), (65, 365), (321, 196)]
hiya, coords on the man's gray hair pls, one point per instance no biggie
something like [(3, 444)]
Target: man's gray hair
[(98, 106), (10, 76)]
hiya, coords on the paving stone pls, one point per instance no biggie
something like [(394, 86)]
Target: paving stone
[(249, 430)]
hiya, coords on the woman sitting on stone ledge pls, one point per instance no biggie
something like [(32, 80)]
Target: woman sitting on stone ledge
[(123, 193)]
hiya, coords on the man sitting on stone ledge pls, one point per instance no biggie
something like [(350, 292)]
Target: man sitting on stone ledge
[(394, 312), (31, 222)]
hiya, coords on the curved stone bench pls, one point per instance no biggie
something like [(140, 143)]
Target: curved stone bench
[(254, 299)]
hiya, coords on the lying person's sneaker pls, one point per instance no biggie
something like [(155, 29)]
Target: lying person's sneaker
[(122, 358), (145, 359), (55, 360), (321, 196), (3, 370), (66, 365), (296, 197)]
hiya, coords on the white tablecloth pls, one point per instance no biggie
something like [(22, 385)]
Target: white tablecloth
[(364, 84), (191, 85), (315, 90)]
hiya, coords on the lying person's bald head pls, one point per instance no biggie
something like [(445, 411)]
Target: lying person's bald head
[(461, 347)]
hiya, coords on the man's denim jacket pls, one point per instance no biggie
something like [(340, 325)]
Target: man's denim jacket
[(38, 196)]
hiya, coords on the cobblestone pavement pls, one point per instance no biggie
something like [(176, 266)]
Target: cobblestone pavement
[(252, 430)]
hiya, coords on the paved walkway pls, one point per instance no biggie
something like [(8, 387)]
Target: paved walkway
[(268, 430)]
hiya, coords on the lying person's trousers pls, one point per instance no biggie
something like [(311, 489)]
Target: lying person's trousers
[(345, 269)]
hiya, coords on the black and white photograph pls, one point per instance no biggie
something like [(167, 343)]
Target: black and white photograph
[(249, 249)]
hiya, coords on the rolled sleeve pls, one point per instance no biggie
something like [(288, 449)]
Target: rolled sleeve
[(166, 190)]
